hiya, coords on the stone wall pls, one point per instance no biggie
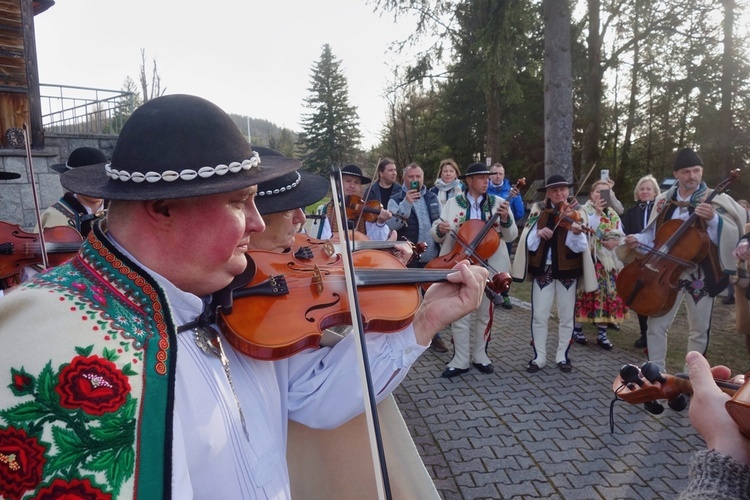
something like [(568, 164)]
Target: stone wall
[(16, 196)]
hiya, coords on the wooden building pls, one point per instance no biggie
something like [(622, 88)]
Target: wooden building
[(19, 75)]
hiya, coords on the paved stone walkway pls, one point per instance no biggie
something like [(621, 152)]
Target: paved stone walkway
[(513, 434)]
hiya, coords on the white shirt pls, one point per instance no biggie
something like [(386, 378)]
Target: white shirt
[(375, 231), (648, 235), (321, 388)]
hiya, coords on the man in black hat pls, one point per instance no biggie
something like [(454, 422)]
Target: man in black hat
[(115, 354), (553, 256), (76, 210), (353, 180), (471, 333), (723, 221)]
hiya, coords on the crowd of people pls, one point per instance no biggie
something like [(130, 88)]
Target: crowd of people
[(148, 392)]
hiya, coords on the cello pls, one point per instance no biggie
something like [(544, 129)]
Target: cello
[(649, 285)]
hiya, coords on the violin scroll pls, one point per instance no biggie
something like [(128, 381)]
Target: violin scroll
[(647, 385), (500, 282)]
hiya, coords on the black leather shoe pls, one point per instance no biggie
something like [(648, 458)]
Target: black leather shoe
[(641, 342), (565, 366), (532, 367), (486, 369), (454, 372), (604, 342)]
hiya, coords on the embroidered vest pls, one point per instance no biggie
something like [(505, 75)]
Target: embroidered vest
[(565, 263), (90, 406)]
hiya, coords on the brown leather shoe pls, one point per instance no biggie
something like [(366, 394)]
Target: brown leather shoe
[(439, 345)]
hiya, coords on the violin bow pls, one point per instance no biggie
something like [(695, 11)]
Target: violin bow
[(371, 409), (30, 162), (368, 190)]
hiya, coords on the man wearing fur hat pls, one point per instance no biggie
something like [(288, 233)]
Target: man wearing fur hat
[(116, 381), (554, 256), (471, 333), (722, 220)]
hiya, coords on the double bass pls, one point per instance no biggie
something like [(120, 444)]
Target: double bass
[(649, 285)]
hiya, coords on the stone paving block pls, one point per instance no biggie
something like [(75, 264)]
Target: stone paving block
[(493, 477), (487, 491), (518, 490)]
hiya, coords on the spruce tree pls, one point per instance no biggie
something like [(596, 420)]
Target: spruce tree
[(330, 132)]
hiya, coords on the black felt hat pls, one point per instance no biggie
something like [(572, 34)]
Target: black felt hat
[(176, 146), (355, 171), (555, 180), (290, 191), (80, 157), (687, 158), (475, 169)]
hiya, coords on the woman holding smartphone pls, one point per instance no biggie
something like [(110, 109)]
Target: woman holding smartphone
[(602, 306)]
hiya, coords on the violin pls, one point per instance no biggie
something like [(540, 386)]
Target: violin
[(475, 240), (306, 298), (565, 216), (649, 285), (307, 248), (370, 210), (19, 249), (647, 385)]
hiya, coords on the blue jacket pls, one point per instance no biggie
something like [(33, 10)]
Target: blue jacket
[(516, 204)]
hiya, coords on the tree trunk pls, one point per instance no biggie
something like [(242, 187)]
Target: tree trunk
[(591, 112), (726, 132), (558, 90)]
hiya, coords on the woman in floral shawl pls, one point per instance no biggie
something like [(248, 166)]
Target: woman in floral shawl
[(603, 305)]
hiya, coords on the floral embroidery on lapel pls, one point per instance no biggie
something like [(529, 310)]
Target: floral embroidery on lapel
[(87, 408)]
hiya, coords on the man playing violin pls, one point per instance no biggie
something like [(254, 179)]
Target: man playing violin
[(553, 253), (471, 333), (722, 221), (76, 210), (353, 180), (117, 382)]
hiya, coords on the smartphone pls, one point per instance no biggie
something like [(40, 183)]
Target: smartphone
[(606, 196), (414, 185), (605, 174)]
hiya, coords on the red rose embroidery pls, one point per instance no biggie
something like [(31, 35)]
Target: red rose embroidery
[(93, 384), (76, 489), (21, 462)]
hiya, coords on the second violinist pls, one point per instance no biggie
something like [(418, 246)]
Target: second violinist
[(553, 253), (471, 334), (353, 180)]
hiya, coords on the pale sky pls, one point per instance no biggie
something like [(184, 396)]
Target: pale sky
[(250, 57)]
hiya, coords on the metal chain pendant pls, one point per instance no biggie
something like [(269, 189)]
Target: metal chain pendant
[(209, 341)]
